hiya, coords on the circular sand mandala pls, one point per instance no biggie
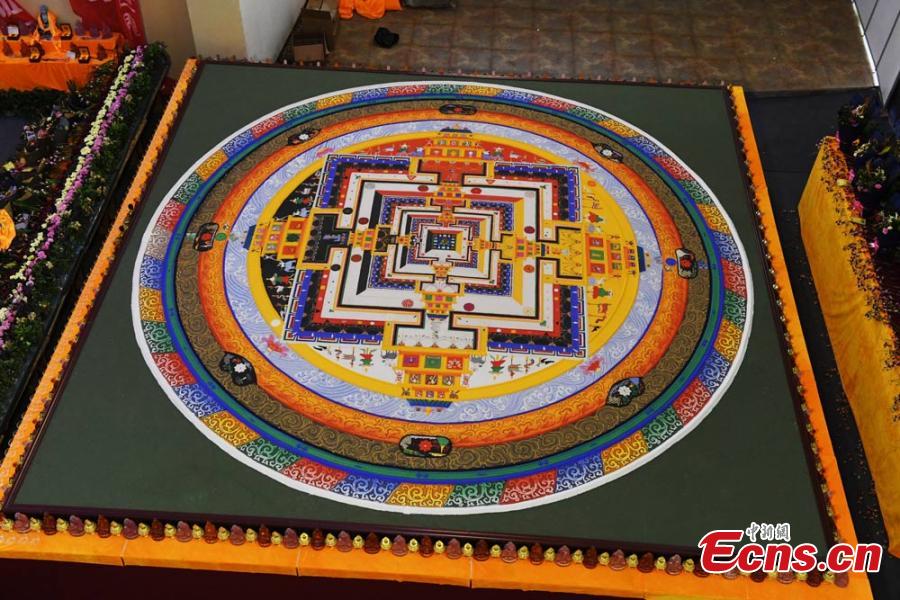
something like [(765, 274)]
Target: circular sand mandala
[(442, 297)]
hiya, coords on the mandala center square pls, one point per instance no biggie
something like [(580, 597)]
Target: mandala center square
[(442, 240), (439, 263)]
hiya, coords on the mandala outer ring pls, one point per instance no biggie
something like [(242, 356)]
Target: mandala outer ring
[(232, 187), (238, 439)]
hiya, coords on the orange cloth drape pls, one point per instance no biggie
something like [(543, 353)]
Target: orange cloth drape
[(55, 69), (371, 9), (19, 74), (7, 228), (861, 344)]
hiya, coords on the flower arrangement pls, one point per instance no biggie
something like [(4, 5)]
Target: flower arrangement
[(66, 198), (869, 141), (93, 144), (854, 119), (866, 162), (30, 104)]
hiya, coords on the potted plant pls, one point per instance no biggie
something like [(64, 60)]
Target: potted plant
[(852, 121), (869, 183), (888, 229)]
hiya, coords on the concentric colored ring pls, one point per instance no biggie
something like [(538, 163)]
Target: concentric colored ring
[(444, 256)]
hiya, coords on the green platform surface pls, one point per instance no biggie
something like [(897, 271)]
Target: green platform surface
[(115, 441)]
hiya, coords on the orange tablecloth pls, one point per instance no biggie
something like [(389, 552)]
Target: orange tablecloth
[(19, 74), (861, 344), (55, 70)]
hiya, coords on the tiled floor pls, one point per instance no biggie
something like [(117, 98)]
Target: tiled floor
[(762, 44)]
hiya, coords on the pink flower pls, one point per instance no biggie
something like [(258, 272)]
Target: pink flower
[(857, 206), (874, 244)]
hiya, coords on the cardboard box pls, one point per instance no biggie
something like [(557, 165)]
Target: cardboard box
[(321, 9), (319, 17), (309, 49)]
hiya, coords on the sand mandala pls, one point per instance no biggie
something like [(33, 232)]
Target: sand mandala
[(442, 297)]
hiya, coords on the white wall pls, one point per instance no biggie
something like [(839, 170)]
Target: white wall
[(267, 24), (168, 21), (251, 29), (216, 25), (881, 21)]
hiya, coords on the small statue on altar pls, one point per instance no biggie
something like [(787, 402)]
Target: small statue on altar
[(47, 27)]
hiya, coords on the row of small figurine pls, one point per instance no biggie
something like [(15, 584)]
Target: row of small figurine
[(372, 544)]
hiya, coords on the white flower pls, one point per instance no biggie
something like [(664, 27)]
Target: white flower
[(624, 390), (240, 368)]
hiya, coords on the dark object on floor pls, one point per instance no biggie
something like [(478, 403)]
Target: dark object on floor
[(386, 38)]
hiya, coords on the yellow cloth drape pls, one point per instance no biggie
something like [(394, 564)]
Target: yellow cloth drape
[(861, 344)]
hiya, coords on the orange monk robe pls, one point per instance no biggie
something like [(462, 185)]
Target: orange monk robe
[(371, 9), (7, 228)]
